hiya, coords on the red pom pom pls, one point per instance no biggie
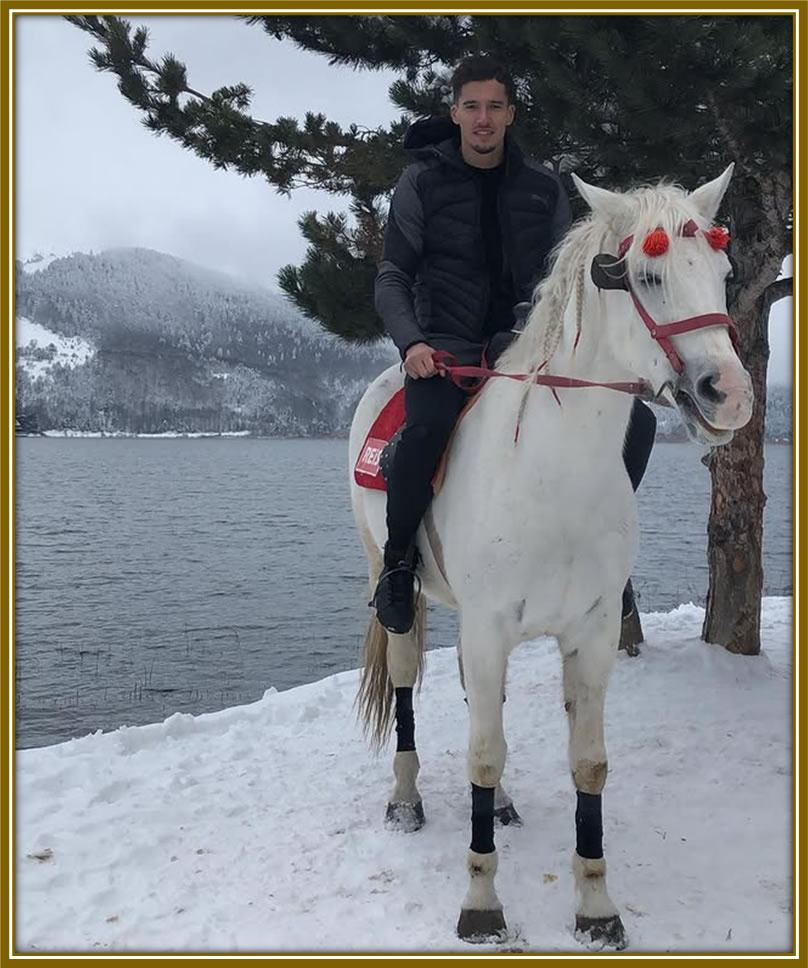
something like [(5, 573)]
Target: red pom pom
[(656, 242), (718, 237)]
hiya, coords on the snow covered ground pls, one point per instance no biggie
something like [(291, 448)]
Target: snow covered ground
[(259, 828), (69, 350)]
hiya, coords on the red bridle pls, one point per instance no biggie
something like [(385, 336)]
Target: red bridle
[(662, 332)]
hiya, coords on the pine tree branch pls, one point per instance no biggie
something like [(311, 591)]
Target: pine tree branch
[(105, 62), (316, 154), (723, 127), (409, 43)]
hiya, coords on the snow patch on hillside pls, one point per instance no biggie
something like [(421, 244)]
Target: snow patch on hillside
[(39, 349), (38, 262)]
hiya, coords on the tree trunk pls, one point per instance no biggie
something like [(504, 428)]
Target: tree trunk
[(735, 529)]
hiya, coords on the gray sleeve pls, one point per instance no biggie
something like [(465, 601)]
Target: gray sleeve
[(403, 245)]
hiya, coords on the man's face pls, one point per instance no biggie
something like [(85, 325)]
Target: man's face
[(482, 113)]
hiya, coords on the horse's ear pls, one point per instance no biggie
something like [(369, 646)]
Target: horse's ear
[(608, 205), (707, 199)]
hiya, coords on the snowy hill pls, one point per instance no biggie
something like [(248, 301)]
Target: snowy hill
[(779, 413), (170, 346), (39, 349), (259, 828), (38, 262)]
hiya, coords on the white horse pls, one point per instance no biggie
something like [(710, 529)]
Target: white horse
[(536, 534)]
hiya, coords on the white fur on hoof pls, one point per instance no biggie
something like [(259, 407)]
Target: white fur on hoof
[(479, 927), (405, 817), (603, 932), (481, 917), (508, 816)]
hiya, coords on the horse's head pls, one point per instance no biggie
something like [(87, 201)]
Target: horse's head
[(669, 262)]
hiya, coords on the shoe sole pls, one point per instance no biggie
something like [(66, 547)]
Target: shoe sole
[(395, 631)]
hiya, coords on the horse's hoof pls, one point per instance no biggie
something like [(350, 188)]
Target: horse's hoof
[(507, 815), (405, 817), (479, 927), (631, 635), (607, 932)]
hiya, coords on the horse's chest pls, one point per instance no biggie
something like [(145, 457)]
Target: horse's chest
[(546, 565)]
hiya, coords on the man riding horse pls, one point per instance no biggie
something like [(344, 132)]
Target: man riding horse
[(472, 223)]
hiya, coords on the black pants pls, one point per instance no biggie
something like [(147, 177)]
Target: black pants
[(432, 407)]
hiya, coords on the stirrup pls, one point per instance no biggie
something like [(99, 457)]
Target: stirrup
[(391, 571)]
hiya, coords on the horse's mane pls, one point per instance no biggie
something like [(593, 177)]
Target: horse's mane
[(664, 205)]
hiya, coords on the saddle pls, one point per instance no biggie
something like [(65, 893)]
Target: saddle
[(372, 468)]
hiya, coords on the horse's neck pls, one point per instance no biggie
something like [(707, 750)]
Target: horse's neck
[(586, 352), (586, 347)]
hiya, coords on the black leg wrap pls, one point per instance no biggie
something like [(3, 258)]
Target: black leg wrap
[(482, 819), (405, 720), (589, 826)]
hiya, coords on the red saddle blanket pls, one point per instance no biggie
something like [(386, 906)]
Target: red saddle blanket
[(367, 472)]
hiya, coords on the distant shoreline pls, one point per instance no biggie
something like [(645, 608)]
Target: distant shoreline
[(174, 435), (241, 434), (167, 435)]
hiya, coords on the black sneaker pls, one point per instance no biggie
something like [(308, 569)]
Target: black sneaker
[(394, 598)]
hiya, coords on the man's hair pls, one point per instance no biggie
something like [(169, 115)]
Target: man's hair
[(481, 67)]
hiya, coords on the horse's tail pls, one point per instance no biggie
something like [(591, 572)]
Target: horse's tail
[(375, 697)]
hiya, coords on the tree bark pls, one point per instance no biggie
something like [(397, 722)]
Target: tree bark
[(735, 528)]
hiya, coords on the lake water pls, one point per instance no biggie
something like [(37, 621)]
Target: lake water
[(155, 576)]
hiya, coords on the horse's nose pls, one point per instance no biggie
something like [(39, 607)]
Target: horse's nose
[(707, 390)]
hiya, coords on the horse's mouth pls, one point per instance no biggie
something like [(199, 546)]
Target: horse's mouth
[(697, 425)]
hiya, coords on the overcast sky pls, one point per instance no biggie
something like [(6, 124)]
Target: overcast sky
[(89, 175)]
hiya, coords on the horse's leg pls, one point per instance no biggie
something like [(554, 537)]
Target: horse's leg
[(484, 661), (391, 666), (504, 810), (405, 810), (588, 659)]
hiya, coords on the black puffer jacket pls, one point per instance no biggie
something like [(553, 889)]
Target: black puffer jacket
[(433, 283)]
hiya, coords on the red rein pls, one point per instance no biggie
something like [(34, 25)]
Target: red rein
[(446, 365)]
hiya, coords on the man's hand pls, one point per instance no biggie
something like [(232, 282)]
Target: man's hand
[(418, 361)]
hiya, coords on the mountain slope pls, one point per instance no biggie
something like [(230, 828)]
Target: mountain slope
[(179, 347)]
